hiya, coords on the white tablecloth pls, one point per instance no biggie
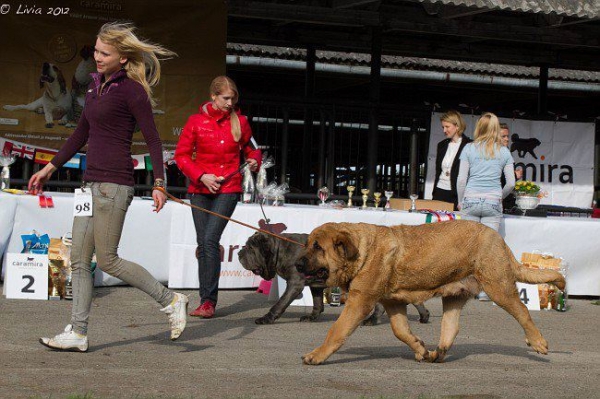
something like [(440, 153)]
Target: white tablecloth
[(165, 243), (145, 238), (295, 218)]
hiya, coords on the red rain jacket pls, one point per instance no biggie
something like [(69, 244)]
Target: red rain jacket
[(207, 135)]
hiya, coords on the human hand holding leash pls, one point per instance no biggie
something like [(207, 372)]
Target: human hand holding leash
[(229, 176), (212, 182), (252, 163), (160, 198)]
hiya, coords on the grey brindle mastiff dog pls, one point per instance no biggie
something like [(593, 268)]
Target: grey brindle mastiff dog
[(267, 257)]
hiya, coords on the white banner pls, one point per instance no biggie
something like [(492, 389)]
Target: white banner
[(558, 156)]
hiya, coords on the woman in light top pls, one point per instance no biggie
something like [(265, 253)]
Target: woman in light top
[(447, 158), (482, 162)]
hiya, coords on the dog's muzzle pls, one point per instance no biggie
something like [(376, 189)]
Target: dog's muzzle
[(46, 77), (317, 276)]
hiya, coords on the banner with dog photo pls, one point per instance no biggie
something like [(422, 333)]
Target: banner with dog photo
[(556, 155), (48, 54)]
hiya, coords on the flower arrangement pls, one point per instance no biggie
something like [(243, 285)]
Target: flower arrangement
[(526, 187)]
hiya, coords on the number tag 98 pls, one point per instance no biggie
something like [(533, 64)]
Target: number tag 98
[(82, 204)]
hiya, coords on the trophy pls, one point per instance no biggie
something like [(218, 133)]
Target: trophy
[(377, 196), (6, 159), (365, 197), (388, 197), (413, 202), (323, 194), (350, 191), (55, 266)]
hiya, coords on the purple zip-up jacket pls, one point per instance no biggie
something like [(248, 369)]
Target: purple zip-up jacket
[(107, 124)]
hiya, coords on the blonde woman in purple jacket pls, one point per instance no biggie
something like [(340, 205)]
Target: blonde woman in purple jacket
[(119, 97)]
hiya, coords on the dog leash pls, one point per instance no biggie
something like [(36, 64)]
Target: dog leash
[(180, 201), (229, 176)]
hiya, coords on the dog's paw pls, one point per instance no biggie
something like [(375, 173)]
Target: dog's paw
[(266, 319), (438, 355), (427, 357), (424, 318), (9, 107), (312, 358), (540, 345), (309, 318), (49, 125)]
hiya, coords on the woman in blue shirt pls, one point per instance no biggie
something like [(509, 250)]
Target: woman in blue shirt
[(482, 162)]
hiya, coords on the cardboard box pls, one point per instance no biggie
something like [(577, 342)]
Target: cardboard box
[(549, 294)]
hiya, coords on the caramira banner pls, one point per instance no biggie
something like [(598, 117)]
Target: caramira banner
[(558, 156)]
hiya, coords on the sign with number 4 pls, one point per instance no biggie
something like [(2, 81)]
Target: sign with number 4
[(529, 295), (82, 204), (26, 276)]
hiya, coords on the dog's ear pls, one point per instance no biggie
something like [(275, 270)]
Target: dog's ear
[(514, 137), (61, 80), (345, 247), (86, 51)]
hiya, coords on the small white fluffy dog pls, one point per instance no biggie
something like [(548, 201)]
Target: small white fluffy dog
[(55, 103)]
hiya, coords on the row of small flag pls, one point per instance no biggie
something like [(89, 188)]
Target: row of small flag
[(44, 156)]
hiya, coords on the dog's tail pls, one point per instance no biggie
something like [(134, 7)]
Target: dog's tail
[(536, 276)]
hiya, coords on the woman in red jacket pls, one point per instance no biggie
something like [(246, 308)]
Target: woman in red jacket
[(216, 134)]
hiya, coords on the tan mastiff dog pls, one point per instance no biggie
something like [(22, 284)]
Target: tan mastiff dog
[(410, 264)]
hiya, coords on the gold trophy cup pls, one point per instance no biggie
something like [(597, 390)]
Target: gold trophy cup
[(350, 192), (365, 197), (55, 266), (377, 196)]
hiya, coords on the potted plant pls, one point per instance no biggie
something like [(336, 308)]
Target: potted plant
[(527, 194)]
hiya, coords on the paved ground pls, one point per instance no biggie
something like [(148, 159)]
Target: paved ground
[(231, 357)]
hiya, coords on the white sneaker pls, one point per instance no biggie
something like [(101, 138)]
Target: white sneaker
[(483, 297), (177, 312), (69, 340)]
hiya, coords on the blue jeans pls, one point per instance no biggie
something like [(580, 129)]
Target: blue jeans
[(102, 232), (482, 210), (209, 229)]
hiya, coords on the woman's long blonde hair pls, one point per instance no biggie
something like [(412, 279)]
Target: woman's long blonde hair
[(219, 85), (487, 135), (143, 62)]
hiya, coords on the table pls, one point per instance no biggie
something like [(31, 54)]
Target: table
[(164, 243), (294, 218), (572, 238), (145, 233)]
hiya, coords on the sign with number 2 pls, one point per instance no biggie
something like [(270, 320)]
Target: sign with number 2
[(26, 276)]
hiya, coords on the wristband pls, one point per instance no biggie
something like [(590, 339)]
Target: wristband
[(159, 183)]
